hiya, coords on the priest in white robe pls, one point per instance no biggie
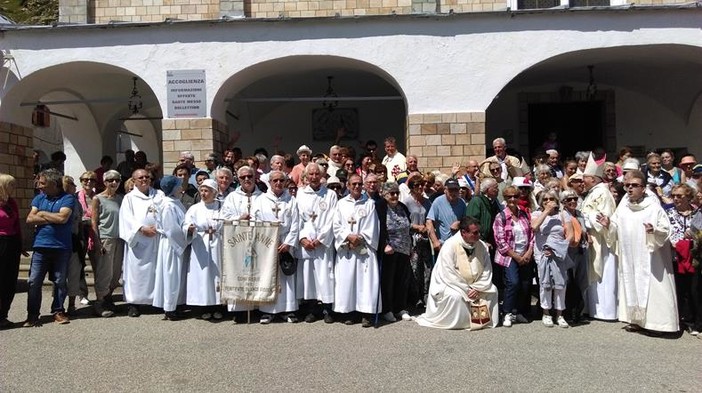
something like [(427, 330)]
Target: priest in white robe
[(169, 288), (137, 227), (277, 205), (315, 269), (357, 274), (640, 229), (602, 269), (204, 269), (238, 205), (461, 277)]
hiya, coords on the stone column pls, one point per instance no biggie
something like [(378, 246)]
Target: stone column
[(16, 149), (198, 136), (231, 8), (73, 11), (442, 139)]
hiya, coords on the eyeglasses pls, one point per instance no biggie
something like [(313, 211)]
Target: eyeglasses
[(632, 185), (570, 199), (356, 184), (112, 180), (244, 177), (495, 169), (85, 180), (394, 193), (144, 178), (549, 199), (277, 180), (511, 196), (677, 195), (334, 187)]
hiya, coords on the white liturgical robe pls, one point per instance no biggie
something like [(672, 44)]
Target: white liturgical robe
[(357, 274), (170, 281), (283, 209), (455, 273), (238, 203), (140, 253), (315, 268), (646, 277), (205, 265), (602, 292)]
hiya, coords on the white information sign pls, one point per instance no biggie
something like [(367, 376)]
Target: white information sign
[(187, 93)]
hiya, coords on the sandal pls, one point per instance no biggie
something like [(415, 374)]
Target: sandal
[(632, 328)]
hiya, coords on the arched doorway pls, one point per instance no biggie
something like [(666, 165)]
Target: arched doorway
[(644, 97), (281, 104), (89, 111)]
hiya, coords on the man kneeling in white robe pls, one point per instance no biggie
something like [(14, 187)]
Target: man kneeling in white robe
[(461, 278)]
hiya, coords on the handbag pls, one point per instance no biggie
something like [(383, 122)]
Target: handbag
[(479, 314)]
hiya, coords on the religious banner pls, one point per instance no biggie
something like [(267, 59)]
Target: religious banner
[(250, 262)]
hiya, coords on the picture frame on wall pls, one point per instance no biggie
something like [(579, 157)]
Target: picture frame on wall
[(327, 123)]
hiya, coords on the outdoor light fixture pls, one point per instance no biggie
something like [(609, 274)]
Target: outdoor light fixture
[(135, 102), (592, 86), (329, 98)]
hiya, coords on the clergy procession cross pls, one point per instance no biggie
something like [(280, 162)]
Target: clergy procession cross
[(276, 209)]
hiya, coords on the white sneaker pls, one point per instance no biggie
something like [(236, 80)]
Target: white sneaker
[(84, 301), (562, 322), (694, 332), (389, 317), (547, 320), (404, 315), (519, 318), (507, 322)]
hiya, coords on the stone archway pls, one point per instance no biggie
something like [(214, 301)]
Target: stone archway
[(648, 95), (89, 102), (277, 104)]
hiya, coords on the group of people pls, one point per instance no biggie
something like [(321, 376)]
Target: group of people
[(369, 238)]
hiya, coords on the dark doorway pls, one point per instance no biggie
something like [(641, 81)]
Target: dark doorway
[(579, 125)]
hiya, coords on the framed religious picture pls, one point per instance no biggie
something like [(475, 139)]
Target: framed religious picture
[(326, 124)]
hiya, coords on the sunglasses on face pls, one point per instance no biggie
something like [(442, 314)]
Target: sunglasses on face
[(356, 184), (112, 180), (144, 178), (86, 180), (511, 196), (393, 193), (244, 177), (334, 187), (570, 199), (632, 185)]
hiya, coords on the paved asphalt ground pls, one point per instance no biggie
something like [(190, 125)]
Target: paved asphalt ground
[(147, 354)]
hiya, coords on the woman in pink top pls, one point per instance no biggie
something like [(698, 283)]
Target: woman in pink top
[(10, 247)]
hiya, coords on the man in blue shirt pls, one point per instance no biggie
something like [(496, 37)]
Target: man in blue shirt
[(51, 214), (445, 214)]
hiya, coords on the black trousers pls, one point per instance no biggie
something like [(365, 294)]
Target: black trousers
[(689, 296), (394, 281), (10, 251)]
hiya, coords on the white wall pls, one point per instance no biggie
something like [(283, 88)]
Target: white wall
[(643, 121)]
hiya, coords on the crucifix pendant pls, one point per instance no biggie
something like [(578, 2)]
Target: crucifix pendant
[(276, 209), (313, 216), (351, 221)]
